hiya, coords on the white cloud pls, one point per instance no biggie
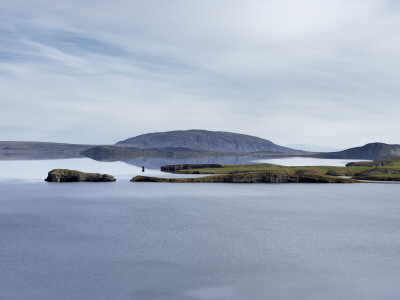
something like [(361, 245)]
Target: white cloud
[(322, 72)]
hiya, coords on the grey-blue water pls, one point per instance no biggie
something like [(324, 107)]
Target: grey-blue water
[(128, 240)]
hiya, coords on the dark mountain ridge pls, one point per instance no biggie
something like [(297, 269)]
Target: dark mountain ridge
[(369, 151), (183, 144), (204, 140)]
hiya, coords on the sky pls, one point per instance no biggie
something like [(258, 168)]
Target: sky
[(323, 72)]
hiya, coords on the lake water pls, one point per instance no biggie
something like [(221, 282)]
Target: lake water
[(36, 170), (128, 240)]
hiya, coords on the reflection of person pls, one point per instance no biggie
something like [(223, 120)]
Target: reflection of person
[(142, 168)]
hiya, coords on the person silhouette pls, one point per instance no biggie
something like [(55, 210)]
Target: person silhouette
[(142, 168)]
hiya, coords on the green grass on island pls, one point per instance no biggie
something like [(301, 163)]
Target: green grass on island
[(379, 170)]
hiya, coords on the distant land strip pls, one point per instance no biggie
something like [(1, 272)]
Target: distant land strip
[(183, 143)]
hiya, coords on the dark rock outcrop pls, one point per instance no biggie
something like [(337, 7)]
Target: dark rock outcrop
[(65, 175)]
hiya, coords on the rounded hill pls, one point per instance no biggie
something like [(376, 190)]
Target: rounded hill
[(368, 151), (217, 141)]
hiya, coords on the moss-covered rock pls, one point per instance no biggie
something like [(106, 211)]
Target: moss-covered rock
[(335, 172), (379, 171), (310, 172), (65, 175), (375, 163), (379, 174)]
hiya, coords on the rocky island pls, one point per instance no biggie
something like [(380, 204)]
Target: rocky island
[(65, 175), (379, 170)]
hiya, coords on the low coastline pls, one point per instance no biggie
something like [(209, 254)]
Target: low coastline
[(376, 171)]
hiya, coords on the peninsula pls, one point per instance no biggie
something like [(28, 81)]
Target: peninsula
[(379, 170)]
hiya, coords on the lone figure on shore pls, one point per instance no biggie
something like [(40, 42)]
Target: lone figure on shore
[(142, 168)]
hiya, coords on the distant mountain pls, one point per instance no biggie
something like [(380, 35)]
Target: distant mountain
[(203, 140), (11, 150), (369, 151)]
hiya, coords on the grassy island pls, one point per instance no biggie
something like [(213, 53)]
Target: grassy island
[(378, 170)]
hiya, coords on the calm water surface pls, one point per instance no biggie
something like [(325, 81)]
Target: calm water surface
[(128, 240), (36, 170)]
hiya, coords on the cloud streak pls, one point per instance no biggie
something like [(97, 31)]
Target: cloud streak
[(320, 72)]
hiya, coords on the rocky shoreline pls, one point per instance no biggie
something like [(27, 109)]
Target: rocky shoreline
[(379, 170), (251, 177)]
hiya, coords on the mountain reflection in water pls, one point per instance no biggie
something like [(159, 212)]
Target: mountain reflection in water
[(157, 162)]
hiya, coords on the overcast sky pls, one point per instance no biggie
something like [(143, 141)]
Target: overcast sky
[(323, 72)]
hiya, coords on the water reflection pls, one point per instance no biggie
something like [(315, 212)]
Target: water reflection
[(158, 162), (37, 169)]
